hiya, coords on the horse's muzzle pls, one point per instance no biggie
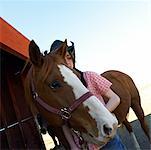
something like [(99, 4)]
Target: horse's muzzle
[(109, 131)]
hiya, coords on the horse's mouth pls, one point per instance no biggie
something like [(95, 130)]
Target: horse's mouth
[(100, 142)]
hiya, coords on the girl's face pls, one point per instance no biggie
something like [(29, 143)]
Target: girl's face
[(69, 60)]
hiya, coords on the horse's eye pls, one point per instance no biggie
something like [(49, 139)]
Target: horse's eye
[(55, 85)]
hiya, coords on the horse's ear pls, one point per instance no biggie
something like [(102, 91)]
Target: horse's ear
[(62, 49), (35, 54)]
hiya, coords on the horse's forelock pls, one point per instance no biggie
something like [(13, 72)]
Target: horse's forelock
[(36, 74), (42, 73), (46, 68)]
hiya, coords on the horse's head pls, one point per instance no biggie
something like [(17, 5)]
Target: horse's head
[(55, 86)]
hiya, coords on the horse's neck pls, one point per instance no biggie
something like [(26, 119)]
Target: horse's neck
[(80, 76)]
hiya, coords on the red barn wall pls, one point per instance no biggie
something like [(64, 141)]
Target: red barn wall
[(18, 129)]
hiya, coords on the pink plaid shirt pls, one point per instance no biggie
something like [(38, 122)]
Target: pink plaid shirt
[(96, 84)]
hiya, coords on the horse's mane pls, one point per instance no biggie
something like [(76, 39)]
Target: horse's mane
[(45, 70)]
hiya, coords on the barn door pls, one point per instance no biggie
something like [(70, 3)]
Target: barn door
[(18, 129)]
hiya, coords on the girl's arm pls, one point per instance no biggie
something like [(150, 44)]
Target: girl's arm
[(114, 100)]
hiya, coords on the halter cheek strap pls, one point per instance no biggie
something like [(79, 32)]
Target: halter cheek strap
[(64, 112)]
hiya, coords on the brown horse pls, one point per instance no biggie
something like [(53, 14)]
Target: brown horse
[(53, 90), (124, 86), (53, 83)]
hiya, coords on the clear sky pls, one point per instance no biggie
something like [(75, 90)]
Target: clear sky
[(108, 34)]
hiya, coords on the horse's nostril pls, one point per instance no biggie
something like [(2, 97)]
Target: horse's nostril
[(107, 129)]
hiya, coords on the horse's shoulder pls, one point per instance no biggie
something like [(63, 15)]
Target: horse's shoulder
[(117, 76), (112, 73)]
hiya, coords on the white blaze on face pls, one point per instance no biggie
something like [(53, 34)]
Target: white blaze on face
[(96, 109), (72, 80)]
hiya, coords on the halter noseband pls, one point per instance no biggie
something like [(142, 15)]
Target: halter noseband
[(65, 112)]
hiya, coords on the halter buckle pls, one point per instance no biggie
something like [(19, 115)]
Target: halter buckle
[(65, 113), (35, 95)]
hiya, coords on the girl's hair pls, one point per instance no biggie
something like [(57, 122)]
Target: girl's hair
[(71, 50)]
